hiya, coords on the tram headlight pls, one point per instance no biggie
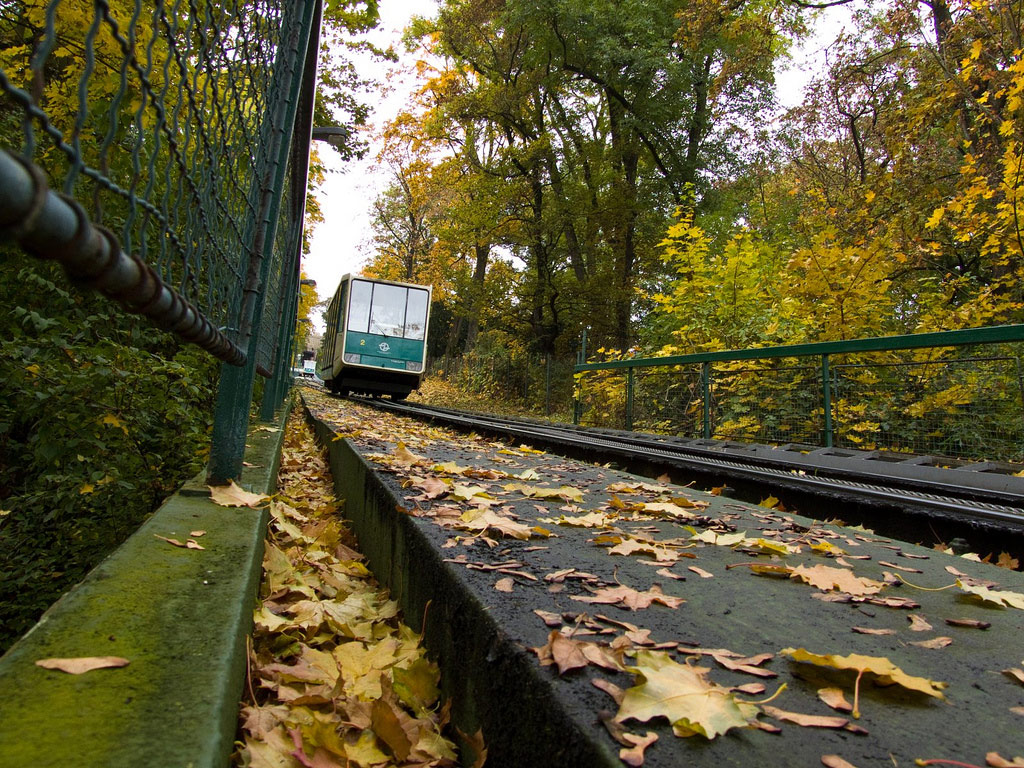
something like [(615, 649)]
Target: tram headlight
[(413, 366), (350, 358)]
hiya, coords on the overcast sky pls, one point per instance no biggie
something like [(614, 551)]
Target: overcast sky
[(341, 243)]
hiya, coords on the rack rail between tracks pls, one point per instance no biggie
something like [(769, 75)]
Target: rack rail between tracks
[(984, 493)]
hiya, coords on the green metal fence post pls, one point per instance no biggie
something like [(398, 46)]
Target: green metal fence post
[(581, 359), (277, 387), (234, 394), (705, 385), (826, 391), (547, 385), (630, 382)]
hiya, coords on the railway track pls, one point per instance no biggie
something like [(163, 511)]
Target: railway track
[(980, 494)]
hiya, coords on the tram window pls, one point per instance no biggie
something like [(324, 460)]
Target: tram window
[(359, 307), (416, 314), (387, 316), (341, 303)]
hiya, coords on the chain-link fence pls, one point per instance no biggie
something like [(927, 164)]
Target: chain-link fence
[(525, 382), (954, 395), (159, 152)]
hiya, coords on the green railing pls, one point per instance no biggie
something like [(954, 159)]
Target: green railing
[(159, 152), (527, 383), (953, 393)]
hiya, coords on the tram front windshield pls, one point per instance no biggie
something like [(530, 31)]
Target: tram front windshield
[(388, 310)]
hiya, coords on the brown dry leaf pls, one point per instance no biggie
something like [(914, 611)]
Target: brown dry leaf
[(634, 755), (565, 652), (835, 761), (744, 665), (387, 725), (568, 653), (899, 567), (615, 729), (432, 487), (873, 631), (671, 509), (631, 546), (403, 457), (918, 623), (602, 655), (477, 746), (1015, 674), (934, 643), (232, 495), (631, 598), (700, 572), (808, 721), (193, 544), (835, 698), (670, 574), (826, 578), (505, 585), (173, 542), (1007, 561), (995, 760), (1017, 710), (565, 492), (970, 623), (484, 520), (548, 617), (750, 689), (197, 534), (82, 664), (608, 687)]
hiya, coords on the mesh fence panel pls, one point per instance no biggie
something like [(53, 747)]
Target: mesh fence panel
[(153, 116), (965, 402), (527, 383), (766, 403), (962, 401), (669, 401)]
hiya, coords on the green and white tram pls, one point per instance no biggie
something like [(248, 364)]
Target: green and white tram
[(376, 338)]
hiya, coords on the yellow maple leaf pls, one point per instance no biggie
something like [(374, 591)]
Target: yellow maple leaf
[(404, 457), (684, 695), (999, 597), (232, 495), (887, 672), (935, 218), (111, 420)]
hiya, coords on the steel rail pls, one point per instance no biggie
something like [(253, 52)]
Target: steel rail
[(860, 484)]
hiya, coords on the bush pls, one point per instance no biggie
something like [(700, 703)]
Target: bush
[(101, 417)]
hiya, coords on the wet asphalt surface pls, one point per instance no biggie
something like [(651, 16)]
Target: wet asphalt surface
[(727, 605)]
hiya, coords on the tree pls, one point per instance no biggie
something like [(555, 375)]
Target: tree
[(597, 118)]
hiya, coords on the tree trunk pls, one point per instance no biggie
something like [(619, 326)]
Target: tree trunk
[(483, 253)]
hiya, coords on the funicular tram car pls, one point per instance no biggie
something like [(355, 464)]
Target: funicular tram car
[(376, 338)]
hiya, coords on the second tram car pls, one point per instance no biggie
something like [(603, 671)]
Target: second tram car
[(376, 338)]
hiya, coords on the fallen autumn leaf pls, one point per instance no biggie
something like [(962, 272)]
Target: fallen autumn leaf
[(80, 665)]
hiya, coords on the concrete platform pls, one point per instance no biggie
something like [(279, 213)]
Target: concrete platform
[(532, 716)]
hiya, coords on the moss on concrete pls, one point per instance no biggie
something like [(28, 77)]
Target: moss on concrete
[(180, 616)]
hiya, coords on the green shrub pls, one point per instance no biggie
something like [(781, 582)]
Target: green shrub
[(101, 417)]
